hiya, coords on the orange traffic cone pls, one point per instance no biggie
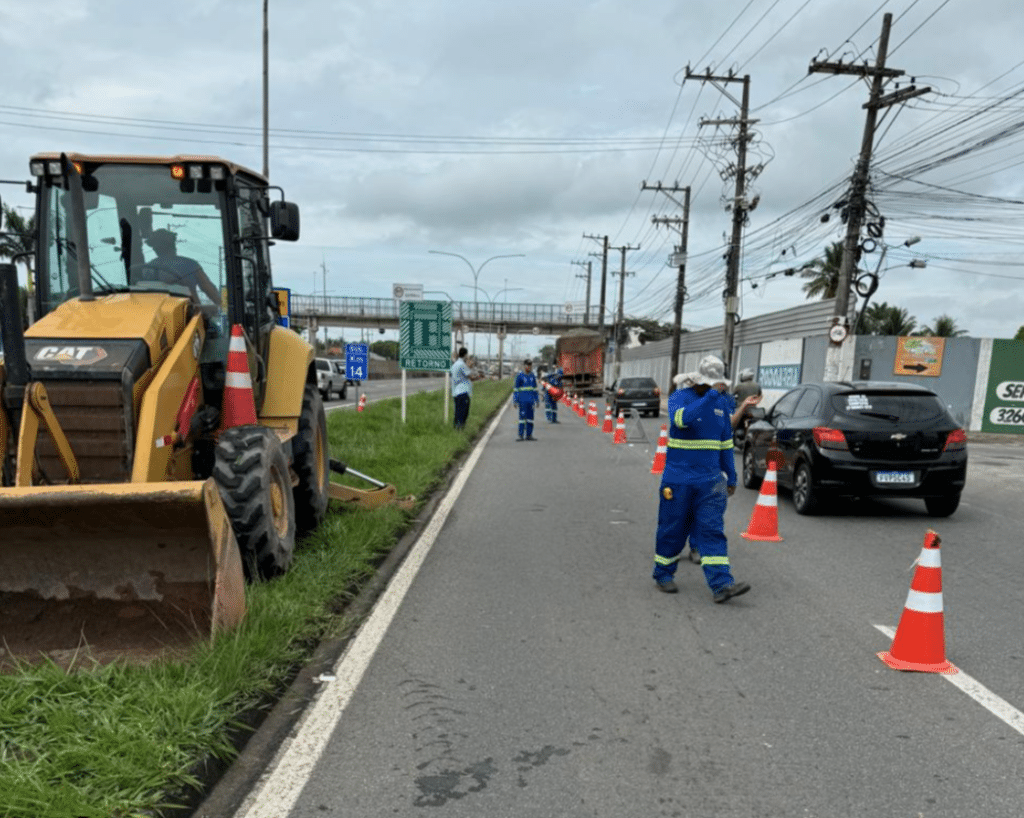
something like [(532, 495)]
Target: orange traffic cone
[(919, 643), (764, 522), (592, 415), (581, 408), (609, 424), (555, 392), (362, 403), (239, 407), (620, 430), (658, 466)]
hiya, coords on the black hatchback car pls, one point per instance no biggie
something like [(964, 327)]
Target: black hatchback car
[(859, 439), (641, 394)]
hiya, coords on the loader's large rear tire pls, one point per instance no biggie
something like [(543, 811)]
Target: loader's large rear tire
[(310, 453), (251, 471)]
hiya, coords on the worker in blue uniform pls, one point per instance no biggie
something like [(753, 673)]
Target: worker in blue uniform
[(699, 476), (525, 396), (550, 403)]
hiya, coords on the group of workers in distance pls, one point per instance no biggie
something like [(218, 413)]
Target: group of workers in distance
[(700, 470)]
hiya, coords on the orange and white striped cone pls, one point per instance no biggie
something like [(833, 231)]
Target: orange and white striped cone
[(575, 405), (565, 399), (239, 406), (920, 642), (764, 522), (592, 415), (581, 408), (362, 403), (609, 424), (658, 466), (620, 430)]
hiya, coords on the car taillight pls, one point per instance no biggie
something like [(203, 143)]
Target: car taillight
[(621, 392), (827, 438), (657, 392), (956, 441)]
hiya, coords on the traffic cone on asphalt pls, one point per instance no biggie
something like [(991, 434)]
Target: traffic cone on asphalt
[(592, 415), (554, 392), (581, 408), (764, 522), (658, 466), (920, 643), (362, 403), (620, 430), (239, 406), (609, 424)]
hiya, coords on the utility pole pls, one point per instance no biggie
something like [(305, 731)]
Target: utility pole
[(604, 278), (588, 265), (266, 91), (857, 198), (682, 224), (740, 207), (621, 314)]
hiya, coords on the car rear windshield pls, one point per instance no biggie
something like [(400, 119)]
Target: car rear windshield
[(322, 364), (637, 383), (898, 407)]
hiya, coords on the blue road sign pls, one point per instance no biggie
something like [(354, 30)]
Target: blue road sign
[(357, 359)]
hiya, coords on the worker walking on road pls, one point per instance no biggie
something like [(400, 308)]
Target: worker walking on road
[(694, 489), (525, 396), (550, 404)]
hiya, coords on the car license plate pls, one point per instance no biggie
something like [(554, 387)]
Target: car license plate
[(894, 477)]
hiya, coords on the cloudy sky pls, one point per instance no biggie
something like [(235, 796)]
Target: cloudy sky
[(483, 128)]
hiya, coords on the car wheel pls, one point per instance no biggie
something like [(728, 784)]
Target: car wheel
[(656, 413), (343, 394), (751, 480), (805, 499), (942, 506)]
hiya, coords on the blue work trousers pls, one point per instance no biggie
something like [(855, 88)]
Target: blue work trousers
[(526, 419), (697, 512), (551, 409)]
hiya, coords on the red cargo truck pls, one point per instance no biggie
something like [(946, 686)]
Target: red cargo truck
[(580, 354)]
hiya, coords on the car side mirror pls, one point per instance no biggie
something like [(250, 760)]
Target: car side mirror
[(757, 413), (284, 221)]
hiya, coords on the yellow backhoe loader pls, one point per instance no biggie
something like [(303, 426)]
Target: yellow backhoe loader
[(136, 495)]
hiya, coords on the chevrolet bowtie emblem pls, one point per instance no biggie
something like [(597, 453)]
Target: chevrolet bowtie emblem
[(898, 436)]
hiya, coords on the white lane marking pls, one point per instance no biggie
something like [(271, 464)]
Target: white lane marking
[(1000, 708), (280, 786)]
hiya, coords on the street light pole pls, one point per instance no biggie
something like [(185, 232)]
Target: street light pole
[(490, 317), (476, 274)]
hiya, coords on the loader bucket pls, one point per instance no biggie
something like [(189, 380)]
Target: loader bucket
[(115, 571)]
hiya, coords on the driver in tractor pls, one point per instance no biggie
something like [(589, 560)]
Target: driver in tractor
[(174, 269)]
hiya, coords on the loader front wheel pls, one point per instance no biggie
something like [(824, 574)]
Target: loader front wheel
[(310, 454), (251, 472)]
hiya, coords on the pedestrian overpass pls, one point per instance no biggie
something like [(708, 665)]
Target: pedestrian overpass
[(468, 316)]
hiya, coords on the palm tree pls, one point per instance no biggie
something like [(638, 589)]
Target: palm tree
[(18, 240), (882, 319), (824, 273), (944, 327)]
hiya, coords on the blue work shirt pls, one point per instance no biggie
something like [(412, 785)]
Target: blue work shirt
[(525, 389), (699, 438)]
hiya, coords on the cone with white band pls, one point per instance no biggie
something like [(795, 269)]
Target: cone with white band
[(609, 423), (764, 522), (239, 406), (362, 403), (620, 430), (592, 415), (920, 642), (658, 466)]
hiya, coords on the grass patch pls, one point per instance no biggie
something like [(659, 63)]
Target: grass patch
[(124, 741)]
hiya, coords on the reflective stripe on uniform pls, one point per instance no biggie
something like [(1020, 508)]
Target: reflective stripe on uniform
[(677, 419), (706, 445), (660, 560), (713, 561)]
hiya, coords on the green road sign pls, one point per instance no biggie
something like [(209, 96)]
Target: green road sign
[(425, 335), (1004, 398)]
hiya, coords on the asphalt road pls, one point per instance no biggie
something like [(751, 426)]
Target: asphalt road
[(532, 668)]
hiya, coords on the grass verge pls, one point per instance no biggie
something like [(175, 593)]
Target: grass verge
[(125, 741)]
